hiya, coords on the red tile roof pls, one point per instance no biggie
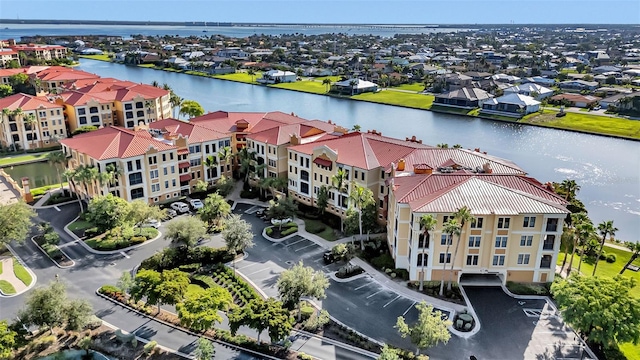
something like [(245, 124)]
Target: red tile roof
[(60, 73), (364, 150), (226, 122), (194, 132), (76, 98), (279, 135), (27, 102), (482, 193), (471, 160), (114, 142)]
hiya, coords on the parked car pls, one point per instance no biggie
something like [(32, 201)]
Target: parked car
[(598, 107), (196, 204), (170, 214), (328, 258), (180, 207), (152, 223)]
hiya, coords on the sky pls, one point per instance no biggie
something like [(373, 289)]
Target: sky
[(345, 11)]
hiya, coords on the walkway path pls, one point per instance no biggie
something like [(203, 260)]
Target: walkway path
[(7, 194), (9, 276)]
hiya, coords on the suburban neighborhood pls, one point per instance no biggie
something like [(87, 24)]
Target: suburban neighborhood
[(268, 235)]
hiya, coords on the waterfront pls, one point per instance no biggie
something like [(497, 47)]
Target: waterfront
[(40, 173), (606, 168)]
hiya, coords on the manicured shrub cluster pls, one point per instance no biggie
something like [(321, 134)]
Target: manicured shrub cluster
[(611, 258), (384, 261), (290, 230), (241, 292), (317, 321), (269, 231), (171, 258), (119, 238), (315, 227)]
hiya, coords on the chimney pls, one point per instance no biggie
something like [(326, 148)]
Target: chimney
[(487, 168), (401, 165), (476, 149)]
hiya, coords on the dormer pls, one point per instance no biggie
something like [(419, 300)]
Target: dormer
[(242, 125)]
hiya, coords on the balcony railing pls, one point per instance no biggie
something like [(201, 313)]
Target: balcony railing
[(547, 246), (545, 264)]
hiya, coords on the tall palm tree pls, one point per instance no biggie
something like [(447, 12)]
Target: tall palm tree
[(70, 175), (86, 175), (103, 178), (586, 232), (339, 183), (353, 83), (175, 102), (6, 114), (17, 113), (570, 188), (635, 253), (113, 172), (604, 228), (450, 228), (31, 122), (576, 220), (225, 154), (463, 215), (427, 225), (59, 160), (360, 197), (327, 83), (211, 162), (252, 73)]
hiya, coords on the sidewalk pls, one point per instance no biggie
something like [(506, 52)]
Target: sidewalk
[(9, 276)]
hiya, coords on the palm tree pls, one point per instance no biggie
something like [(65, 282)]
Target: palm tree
[(252, 73), (635, 249), (31, 122), (356, 127), (86, 175), (210, 163), (70, 175), (113, 172), (103, 179), (339, 183), (16, 114), (225, 155), (57, 159), (427, 224), (360, 197), (327, 83), (586, 231), (463, 215), (353, 83), (175, 102), (576, 219), (450, 228), (604, 228), (155, 83), (570, 188), (6, 115)]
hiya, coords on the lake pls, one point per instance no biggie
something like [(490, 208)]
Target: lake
[(607, 169), (41, 173)]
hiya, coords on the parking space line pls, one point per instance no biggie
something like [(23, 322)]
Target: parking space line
[(251, 264), (261, 270), (295, 242), (302, 248), (57, 208), (318, 260), (361, 286), (375, 293), (394, 299), (409, 308), (125, 255)]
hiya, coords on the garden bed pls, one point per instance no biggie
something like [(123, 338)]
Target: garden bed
[(432, 288), (348, 271), (50, 248), (277, 232), (120, 238), (59, 198)]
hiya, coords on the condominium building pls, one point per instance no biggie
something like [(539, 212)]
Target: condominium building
[(515, 232), (7, 56), (146, 167), (52, 79), (43, 52), (30, 122)]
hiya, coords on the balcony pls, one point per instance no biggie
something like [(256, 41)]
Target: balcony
[(549, 242), (545, 262)]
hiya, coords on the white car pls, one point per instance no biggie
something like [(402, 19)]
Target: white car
[(180, 207), (196, 204), (152, 223)]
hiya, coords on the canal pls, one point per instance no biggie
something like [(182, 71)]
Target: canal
[(607, 169), (40, 173)]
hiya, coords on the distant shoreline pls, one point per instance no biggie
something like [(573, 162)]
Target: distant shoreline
[(243, 24)]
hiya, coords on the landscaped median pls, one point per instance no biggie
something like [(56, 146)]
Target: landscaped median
[(13, 276), (47, 241), (281, 231)]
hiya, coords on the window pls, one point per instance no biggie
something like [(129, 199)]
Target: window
[(81, 111), (129, 166), (306, 161), (139, 105), (474, 241), (82, 120), (173, 169), (549, 242), (195, 162), (153, 174), (155, 187), (381, 203), (140, 113), (446, 218), (545, 262), (304, 188), (137, 193), (526, 240), (129, 114), (523, 259), (442, 258), (503, 223), (44, 124), (153, 160), (355, 174), (304, 175), (362, 176), (95, 119), (476, 223), (423, 240), (170, 156), (552, 224), (529, 222), (128, 107), (272, 163), (135, 178), (138, 164), (166, 184), (173, 182), (443, 239), (164, 157), (472, 260), (422, 259), (193, 149), (93, 110), (498, 260), (501, 241)]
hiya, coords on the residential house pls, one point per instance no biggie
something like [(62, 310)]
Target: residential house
[(7, 56), (454, 81), (515, 232), (504, 78), (42, 52), (478, 75), (47, 126), (52, 79), (547, 82), (530, 89), (464, 98), (512, 104), (353, 87), (140, 157), (578, 85), (277, 76), (577, 100)]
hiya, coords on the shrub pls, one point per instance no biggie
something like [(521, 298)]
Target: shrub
[(303, 356), (289, 231), (148, 347), (402, 273), (315, 227), (384, 261), (611, 258), (290, 225), (317, 321), (91, 232), (52, 238), (306, 311), (603, 256), (269, 231), (109, 290), (137, 240)]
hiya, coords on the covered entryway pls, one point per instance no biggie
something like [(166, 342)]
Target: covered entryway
[(481, 279)]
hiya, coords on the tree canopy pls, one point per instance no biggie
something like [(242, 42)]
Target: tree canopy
[(168, 287), (7, 340), (237, 234), (600, 308), (300, 281), (15, 222), (191, 108), (428, 331), (199, 310), (262, 315), (107, 211), (186, 230), (214, 209)]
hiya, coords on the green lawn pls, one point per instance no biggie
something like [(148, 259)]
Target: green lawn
[(417, 87), (13, 160), (313, 87), (147, 66), (193, 288), (332, 78), (21, 273), (631, 351), (103, 57), (242, 77), (80, 225), (0, 268), (7, 288), (327, 234), (416, 101), (587, 122)]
